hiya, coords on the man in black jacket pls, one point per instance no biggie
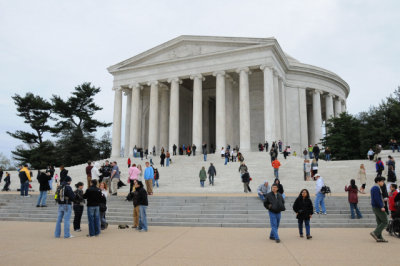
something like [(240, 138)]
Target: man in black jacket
[(211, 173), (64, 199), (44, 186), (94, 198), (275, 204), (140, 199), (63, 173)]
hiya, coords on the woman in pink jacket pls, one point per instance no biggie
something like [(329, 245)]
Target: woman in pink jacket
[(134, 172)]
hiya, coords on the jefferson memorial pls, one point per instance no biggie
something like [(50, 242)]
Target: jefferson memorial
[(222, 90)]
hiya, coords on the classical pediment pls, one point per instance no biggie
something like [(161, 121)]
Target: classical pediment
[(185, 47)]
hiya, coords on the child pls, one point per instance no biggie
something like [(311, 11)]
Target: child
[(8, 182)]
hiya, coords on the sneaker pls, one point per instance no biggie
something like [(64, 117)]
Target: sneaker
[(316, 212), (324, 213), (301, 236), (374, 236), (27, 196), (142, 230), (309, 237), (71, 236), (89, 236), (138, 228), (278, 241), (382, 240), (134, 227), (77, 230)]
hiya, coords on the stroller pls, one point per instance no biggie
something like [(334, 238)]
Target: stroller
[(394, 227)]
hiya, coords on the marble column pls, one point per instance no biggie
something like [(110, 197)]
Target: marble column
[(164, 117), (220, 131), (278, 134), (116, 133), (174, 113), (343, 103), (282, 111), (317, 116), (303, 118), (229, 83), (338, 107), (153, 116), (128, 94), (269, 104), (244, 109), (134, 138), (206, 120), (329, 106), (197, 131)]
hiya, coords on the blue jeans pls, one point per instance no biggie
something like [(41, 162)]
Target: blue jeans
[(226, 160), (155, 182), (327, 157), (307, 223), (274, 219), (202, 183), (261, 196), (51, 184), (311, 154), (42, 198), (64, 211), (142, 217), (320, 199), (205, 157), (167, 162), (352, 207), (93, 214), (25, 188), (276, 172)]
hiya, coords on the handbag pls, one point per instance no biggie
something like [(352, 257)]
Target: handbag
[(103, 207)]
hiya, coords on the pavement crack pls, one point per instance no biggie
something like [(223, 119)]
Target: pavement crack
[(165, 246)]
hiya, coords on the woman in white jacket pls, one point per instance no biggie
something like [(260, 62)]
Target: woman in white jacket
[(96, 171)]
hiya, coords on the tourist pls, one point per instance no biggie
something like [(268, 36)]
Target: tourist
[(174, 149), (7, 181), (194, 149), (240, 157), (141, 154), (379, 166), (156, 177), (362, 176), (280, 187), (276, 164), (327, 154), (146, 153), (391, 176), (211, 173), (275, 204), (1, 174), (141, 172), (25, 178), (320, 197), (316, 151), (43, 179), (154, 150), (168, 158), (234, 155), (142, 202), (79, 203), (151, 159), (370, 154), (103, 206), (88, 171), (180, 150), (263, 190), (266, 146), (273, 154), (303, 208), (204, 148), (353, 198), (95, 172), (94, 197), (135, 205), (310, 151), (202, 176), (378, 209), (162, 157), (242, 169), (51, 170), (385, 195), (392, 195), (63, 173), (134, 173), (391, 162), (64, 200), (307, 170), (226, 157), (106, 173), (222, 152), (305, 154), (129, 162), (231, 155), (148, 178), (246, 182), (115, 176), (314, 168), (285, 153)]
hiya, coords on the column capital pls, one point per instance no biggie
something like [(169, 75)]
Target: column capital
[(343, 101), (153, 82), (176, 79), (230, 78), (315, 91), (163, 87), (135, 85), (264, 66), (329, 95), (199, 76), (245, 69), (117, 88), (126, 91), (216, 73)]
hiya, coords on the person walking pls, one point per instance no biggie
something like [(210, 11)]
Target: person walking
[(362, 176), (211, 173), (226, 156), (64, 199), (174, 149), (353, 198), (378, 209), (303, 208), (168, 158), (276, 164), (148, 178), (379, 166), (115, 176), (204, 148), (88, 171), (310, 151), (202, 176), (275, 204), (246, 182), (134, 173), (242, 169), (129, 162), (25, 178), (7, 181), (194, 147), (162, 157), (320, 197), (142, 202), (79, 203), (94, 197), (43, 179)]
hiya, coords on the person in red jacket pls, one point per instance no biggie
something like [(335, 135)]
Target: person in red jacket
[(353, 198), (129, 162), (392, 194), (276, 164)]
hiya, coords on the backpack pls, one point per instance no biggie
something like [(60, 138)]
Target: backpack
[(59, 196), (325, 190)]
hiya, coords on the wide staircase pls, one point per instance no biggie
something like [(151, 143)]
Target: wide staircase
[(206, 211)]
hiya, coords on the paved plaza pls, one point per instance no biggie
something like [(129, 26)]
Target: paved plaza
[(33, 244)]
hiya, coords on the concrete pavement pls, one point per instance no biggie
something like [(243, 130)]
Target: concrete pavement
[(28, 243)]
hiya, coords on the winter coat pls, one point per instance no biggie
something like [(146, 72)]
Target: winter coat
[(242, 169), (94, 196), (203, 175), (274, 203), (246, 177), (303, 207), (140, 197), (362, 176), (79, 200), (63, 175), (352, 194), (212, 170), (44, 181)]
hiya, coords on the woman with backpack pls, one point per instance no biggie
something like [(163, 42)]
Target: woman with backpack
[(303, 208), (79, 203), (353, 198)]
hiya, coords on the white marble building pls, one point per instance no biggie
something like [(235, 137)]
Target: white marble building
[(222, 90)]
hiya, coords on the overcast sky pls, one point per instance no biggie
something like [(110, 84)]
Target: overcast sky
[(49, 47)]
